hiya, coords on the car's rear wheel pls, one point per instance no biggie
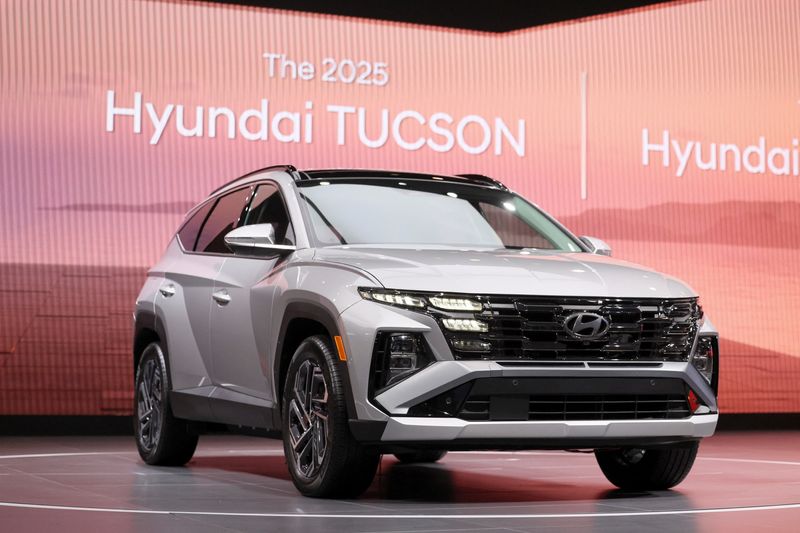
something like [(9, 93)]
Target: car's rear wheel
[(421, 456), (647, 469), (324, 459), (161, 438)]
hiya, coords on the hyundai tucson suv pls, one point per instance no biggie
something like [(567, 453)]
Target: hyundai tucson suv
[(363, 312)]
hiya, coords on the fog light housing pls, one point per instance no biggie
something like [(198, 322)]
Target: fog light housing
[(398, 356), (704, 357), (403, 350)]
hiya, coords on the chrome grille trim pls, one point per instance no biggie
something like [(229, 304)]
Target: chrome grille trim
[(532, 328)]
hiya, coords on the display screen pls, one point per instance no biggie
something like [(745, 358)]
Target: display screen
[(671, 132)]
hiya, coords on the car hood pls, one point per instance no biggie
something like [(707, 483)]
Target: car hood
[(506, 272)]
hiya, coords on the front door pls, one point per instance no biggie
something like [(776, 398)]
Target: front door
[(241, 325)]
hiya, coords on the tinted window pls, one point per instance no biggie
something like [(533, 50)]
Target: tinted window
[(223, 219), (191, 228), (267, 208)]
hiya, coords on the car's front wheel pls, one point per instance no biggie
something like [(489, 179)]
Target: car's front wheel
[(161, 438), (647, 469), (324, 459)]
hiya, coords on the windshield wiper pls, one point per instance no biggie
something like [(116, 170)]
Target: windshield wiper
[(522, 248)]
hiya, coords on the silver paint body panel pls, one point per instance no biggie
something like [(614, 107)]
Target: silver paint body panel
[(425, 429), (535, 273)]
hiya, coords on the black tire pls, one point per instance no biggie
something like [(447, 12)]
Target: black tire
[(161, 438), (420, 456), (329, 462), (647, 469)]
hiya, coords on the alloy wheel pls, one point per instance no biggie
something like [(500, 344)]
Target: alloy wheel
[(308, 419), (150, 404)]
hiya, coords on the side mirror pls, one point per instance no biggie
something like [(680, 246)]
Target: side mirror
[(255, 238), (596, 246)]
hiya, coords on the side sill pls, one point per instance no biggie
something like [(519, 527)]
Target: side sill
[(202, 408)]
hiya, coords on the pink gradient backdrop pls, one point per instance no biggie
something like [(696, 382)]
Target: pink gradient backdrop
[(86, 211)]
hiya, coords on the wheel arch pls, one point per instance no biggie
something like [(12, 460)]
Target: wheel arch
[(302, 319), (148, 328)]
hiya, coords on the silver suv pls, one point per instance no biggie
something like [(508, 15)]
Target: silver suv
[(362, 312)]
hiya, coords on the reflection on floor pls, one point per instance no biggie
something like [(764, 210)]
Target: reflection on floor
[(740, 481)]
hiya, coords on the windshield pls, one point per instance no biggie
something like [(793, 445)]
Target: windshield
[(386, 211)]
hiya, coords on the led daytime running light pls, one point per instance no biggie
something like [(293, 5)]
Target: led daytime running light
[(455, 304), (395, 299), (465, 324)]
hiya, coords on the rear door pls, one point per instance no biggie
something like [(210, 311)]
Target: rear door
[(183, 303), (185, 295)]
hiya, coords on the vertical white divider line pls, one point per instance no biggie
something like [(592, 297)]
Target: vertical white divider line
[(583, 78)]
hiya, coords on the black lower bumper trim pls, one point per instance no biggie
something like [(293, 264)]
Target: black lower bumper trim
[(367, 430)]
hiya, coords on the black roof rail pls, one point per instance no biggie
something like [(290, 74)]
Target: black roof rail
[(333, 173), (484, 179), (475, 179), (288, 168)]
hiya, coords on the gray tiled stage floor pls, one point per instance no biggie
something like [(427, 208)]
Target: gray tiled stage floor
[(241, 484)]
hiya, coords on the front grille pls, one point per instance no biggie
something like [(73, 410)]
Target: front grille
[(561, 398), (532, 328), (579, 407)]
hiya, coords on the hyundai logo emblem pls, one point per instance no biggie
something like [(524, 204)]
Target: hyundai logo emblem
[(586, 326)]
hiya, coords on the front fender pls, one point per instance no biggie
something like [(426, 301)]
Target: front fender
[(319, 293)]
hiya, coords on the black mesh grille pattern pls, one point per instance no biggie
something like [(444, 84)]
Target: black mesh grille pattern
[(589, 407), (533, 328), (561, 398)]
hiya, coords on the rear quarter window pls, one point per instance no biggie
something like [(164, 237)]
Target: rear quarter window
[(191, 227)]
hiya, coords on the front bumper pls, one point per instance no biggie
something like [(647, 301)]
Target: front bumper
[(548, 434), (388, 418), (403, 427)]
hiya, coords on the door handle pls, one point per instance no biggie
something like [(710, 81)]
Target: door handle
[(222, 297), (167, 290)]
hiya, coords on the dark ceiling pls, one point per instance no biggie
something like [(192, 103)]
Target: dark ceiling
[(492, 16)]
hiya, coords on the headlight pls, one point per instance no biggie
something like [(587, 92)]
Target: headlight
[(472, 345), (463, 319), (394, 298), (701, 317), (465, 324), (455, 304), (445, 303)]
